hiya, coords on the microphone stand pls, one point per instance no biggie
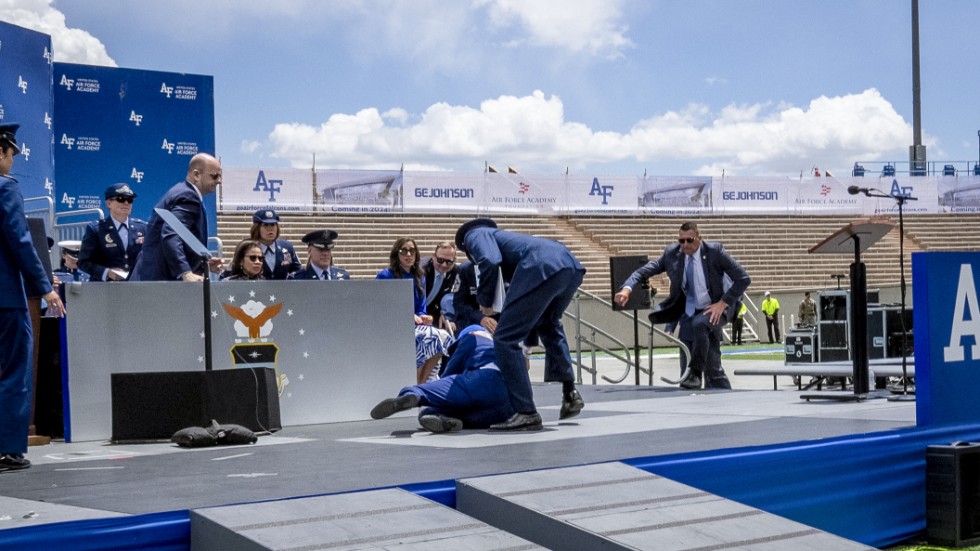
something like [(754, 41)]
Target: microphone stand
[(900, 199)]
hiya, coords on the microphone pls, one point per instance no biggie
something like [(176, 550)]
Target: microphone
[(854, 190)]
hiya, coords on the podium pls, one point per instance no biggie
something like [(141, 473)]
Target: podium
[(854, 238)]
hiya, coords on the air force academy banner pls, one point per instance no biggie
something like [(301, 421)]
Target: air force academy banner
[(280, 189)]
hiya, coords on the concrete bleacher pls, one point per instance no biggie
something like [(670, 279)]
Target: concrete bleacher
[(773, 249)]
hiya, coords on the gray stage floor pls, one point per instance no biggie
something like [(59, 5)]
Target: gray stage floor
[(620, 421)]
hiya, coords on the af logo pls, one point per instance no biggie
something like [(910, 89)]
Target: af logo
[(25, 151), (136, 175), (49, 185), (65, 140), (67, 82), (133, 117), (900, 191), (47, 120), (168, 146), (604, 191), (966, 303), (22, 84), (272, 186), (47, 55), (168, 90), (66, 200)]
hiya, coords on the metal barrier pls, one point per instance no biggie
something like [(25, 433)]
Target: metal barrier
[(626, 358)]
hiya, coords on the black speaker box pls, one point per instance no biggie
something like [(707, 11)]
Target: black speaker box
[(620, 269), (155, 405), (953, 494)]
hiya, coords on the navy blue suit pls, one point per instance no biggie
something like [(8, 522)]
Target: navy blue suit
[(309, 273), (165, 257), (286, 261), (449, 285), (464, 299), (703, 338), (102, 247), (543, 276), (21, 275), (470, 387)]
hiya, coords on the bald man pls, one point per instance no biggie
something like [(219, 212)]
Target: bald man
[(165, 256)]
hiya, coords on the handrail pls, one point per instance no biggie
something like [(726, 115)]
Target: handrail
[(579, 339)]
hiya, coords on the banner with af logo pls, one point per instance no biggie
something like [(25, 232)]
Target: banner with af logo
[(947, 336), (25, 98), (279, 189), (114, 125)]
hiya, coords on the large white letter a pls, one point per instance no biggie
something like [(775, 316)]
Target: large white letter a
[(966, 297)]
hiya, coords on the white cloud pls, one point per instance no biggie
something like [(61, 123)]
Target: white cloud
[(69, 45), (592, 26), (250, 146), (532, 132)]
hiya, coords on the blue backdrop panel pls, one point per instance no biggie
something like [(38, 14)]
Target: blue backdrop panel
[(25, 98), (947, 352), (132, 126)]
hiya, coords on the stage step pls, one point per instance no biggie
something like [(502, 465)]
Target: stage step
[(17, 513), (615, 506), (379, 519)]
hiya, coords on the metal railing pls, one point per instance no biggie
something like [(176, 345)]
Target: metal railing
[(629, 361)]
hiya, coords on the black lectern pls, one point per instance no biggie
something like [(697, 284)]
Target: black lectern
[(854, 238)]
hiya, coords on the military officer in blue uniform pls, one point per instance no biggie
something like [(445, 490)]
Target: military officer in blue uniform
[(68, 271), (320, 245), (543, 276), (279, 257), (470, 392), (21, 274), (110, 246)]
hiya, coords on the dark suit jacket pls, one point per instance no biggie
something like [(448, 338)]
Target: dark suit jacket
[(165, 257), (309, 273), (20, 267), (715, 261), (101, 250), (450, 282), (525, 260), (286, 261)]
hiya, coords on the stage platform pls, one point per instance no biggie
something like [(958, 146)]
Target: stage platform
[(619, 422)]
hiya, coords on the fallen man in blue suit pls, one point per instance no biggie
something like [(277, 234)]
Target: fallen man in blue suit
[(469, 393)]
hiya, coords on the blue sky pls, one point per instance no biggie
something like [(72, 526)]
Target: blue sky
[(605, 87)]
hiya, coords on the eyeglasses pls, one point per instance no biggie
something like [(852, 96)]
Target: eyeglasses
[(405, 251), (254, 257), (124, 200), (213, 175), (687, 240), (445, 261)]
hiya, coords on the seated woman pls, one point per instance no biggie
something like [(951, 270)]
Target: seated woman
[(430, 342), (246, 265)]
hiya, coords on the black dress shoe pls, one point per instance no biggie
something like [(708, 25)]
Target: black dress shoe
[(440, 423), (571, 405), (391, 406), (13, 462), (520, 422), (692, 382)]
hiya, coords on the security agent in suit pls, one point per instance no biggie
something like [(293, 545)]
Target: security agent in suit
[(165, 257), (280, 258), (470, 392), (440, 267), (110, 246), (464, 300), (320, 245), (69, 271), (21, 275), (543, 276), (698, 297)]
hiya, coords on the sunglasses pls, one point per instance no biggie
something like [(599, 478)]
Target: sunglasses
[(445, 261), (687, 240), (254, 257), (405, 251), (213, 175), (124, 200)]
